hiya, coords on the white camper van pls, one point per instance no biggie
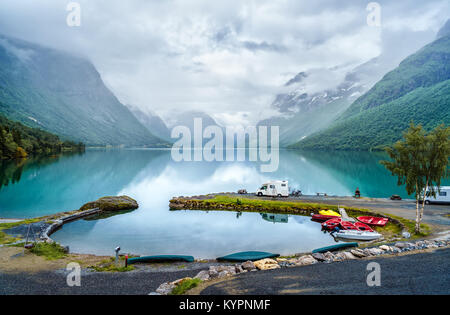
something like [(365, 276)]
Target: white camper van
[(442, 196), (277, 188)]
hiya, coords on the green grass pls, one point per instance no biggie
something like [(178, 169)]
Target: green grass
[(273, 204), (185, 286), (109, 265), (50, 251), (391, 229)]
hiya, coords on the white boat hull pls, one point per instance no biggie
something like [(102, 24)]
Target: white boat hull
[(358, 235)]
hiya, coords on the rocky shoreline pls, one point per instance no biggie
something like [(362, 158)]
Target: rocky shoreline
[(225, 271)]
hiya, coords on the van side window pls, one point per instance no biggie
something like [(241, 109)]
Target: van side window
[(283, 185), (443, 193), (272, 186)]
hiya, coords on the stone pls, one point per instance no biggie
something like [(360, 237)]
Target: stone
[(403, 245), (248, 265), (339, 257), (165, 288), (229, 269), (238, 268), (349, 255), (112, 203), (178, 281), (224, 273), (266, 264), (202, 275), (329, 256), (385, 248), (319, 256), (406, 234), (375, 251), (358, 253), (305, 260)]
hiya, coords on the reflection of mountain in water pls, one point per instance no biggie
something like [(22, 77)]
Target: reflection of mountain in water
[(275, 218), (48, 188), (11, 170), (356, 169)]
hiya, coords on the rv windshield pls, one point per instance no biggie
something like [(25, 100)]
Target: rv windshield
[(263, 188)]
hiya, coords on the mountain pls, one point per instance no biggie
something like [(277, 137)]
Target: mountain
[(152, 122), (187, 119), (314, 99), (445, 30), (19, 141), (65, 95), (417, 90)]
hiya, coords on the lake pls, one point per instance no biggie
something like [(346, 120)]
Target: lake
[(47, 185)]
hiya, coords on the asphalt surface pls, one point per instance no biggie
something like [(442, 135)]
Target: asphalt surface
[(119, 283), (425, 273)]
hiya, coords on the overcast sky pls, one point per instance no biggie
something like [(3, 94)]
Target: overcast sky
[(226, 58)]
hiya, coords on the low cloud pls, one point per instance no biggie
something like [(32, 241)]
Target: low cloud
[(220, 57)]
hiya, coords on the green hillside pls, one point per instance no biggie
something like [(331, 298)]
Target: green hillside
[(428, 66), (19, 141), (65, 95), (383, 125), (417, 90)]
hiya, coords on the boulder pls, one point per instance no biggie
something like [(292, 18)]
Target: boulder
[(358, 253), (385, 248), (165, 288), (238, 268), (319, 256), (329, 256), (349, 255), (266, 264), (403, 245), (375, 251), (112, 203), (202, 275), (248, 265), (178, 281), (305, 260)]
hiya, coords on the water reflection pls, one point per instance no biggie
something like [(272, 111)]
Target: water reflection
[(152, 178), (275, 218)]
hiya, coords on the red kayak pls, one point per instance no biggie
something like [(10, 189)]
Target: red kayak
[(322, 217), (362, 227), (331, 224), (373, 220), (346, 225)]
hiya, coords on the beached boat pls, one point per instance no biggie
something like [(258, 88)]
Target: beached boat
[(346, 225), (377, 221), (357, 235), (322, 217), (362, 227), (245, 256), (329, 212), (331, 224), (335, 247), (160, 258)]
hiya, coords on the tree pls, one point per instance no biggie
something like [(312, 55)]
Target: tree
[(435, 165), (420, 162)]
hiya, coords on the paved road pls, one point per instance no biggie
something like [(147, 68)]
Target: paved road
[(91, 283), (427, 273)]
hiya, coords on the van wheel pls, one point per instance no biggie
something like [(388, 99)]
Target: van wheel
[(279, 195), (259, 194), (427, 202)]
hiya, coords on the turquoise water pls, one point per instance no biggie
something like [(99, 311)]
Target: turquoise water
[(49, 185)]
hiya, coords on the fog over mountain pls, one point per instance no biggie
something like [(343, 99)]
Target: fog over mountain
[(228, 59)]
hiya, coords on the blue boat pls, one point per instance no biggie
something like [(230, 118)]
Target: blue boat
[(335, 247), (245, 256), (160, 258)]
